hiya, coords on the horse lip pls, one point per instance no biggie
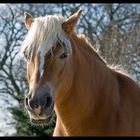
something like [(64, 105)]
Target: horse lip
[(42, 121)]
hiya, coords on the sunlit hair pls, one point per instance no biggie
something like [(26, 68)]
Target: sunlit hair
[(43, 35)]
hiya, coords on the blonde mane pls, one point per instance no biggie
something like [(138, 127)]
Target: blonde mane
[(43, 34)]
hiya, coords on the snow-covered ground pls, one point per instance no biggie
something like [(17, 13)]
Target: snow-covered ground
[(6, 121)]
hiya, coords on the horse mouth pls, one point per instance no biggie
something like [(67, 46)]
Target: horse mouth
[(41, 121)]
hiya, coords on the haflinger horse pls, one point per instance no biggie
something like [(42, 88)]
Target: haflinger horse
[(67, 75)]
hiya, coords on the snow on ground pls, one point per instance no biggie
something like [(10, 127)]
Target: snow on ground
[(6, 121)]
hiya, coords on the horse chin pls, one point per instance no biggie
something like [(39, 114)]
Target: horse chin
[(44, 121)]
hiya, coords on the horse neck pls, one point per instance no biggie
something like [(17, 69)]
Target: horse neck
[(86, 97)]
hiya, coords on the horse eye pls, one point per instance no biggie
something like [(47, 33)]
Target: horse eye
[(63, 55)]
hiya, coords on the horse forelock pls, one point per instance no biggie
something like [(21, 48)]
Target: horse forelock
[(43, 35)]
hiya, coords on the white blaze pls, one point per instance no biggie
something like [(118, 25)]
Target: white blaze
[(42, 62)]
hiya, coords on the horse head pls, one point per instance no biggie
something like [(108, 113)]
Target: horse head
[(48, 51)]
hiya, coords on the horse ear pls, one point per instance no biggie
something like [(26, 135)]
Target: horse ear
[(69, 25), (28, 20)]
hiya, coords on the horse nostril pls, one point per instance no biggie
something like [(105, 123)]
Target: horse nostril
[(33, 103), (26, 100), (49, 101)]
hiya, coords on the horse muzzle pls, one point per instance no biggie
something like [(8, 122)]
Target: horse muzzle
[(40, 106)]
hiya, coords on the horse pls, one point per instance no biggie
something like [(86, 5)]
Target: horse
[(67, 75)]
